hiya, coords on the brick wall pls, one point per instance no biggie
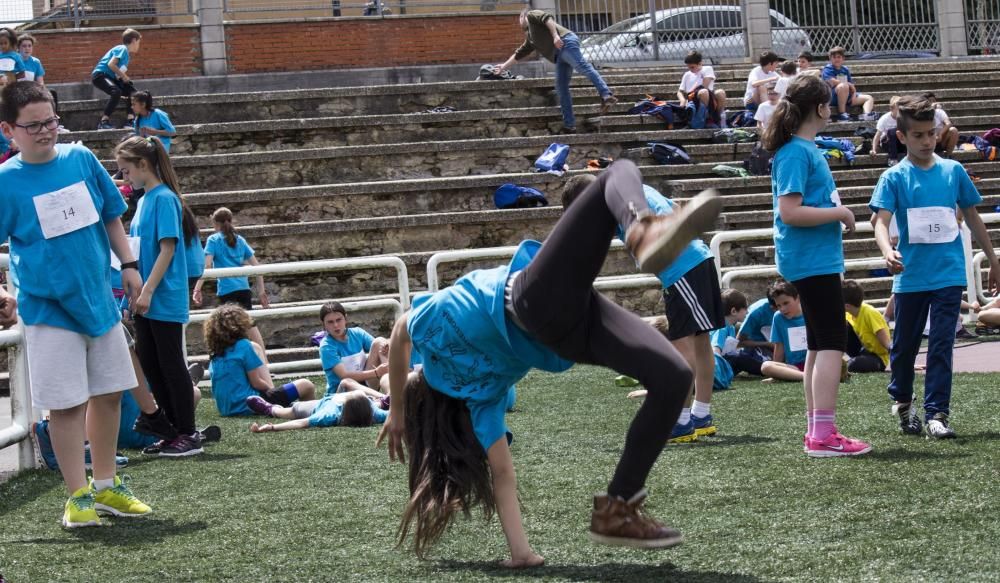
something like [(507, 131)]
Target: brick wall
[(356, 43), (70, 55)]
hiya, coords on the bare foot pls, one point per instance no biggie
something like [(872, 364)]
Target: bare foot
[(529, 561), (637, 394)]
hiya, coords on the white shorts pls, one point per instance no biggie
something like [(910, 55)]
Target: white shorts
[(66, 369)]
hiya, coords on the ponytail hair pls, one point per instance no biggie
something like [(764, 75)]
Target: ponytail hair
[(805, 93), (136, 149), (224, 218)]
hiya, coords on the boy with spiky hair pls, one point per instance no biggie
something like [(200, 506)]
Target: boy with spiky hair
[(922, 192)]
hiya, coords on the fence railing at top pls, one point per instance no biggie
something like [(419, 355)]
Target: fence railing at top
[(371, 8), (82, 11), (982, 25), (22, 414)]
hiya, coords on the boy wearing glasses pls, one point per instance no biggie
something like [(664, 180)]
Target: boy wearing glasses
[(60, 210)]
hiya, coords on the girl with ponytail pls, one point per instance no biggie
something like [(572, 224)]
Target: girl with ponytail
[(809, 248), (164, 227), (226, 248)]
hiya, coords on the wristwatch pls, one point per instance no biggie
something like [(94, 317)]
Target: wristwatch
[(130, 265)]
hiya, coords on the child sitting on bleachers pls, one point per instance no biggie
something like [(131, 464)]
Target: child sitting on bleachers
[(844, 93), (238, 368), (805, 63), (724, 341), (788, 333), (868, 341), (760, 77), (885, 134), (359, 407), (947, 134), (150, 121), (698, 85), (788, 71), (766, 110)]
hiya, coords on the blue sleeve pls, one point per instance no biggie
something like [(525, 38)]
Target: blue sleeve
[(248, 356), (328, 355), (778, 328), (164, 121), (114, 204), (167, 215), (719, 337), (968, 196), (366, 339), (884, 196), (18, 63), (210, 245), (488, 420), (791, 175), (850, 78), (379, 415), (828, 72), (41, 69), (247, 251), (120, 51)]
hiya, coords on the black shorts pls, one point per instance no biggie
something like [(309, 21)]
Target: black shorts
[(239, 297), (822, 299), (694, 303)]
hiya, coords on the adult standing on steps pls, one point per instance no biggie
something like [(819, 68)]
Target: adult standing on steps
[(558, 44)]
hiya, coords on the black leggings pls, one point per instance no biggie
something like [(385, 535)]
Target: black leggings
[(556, 303), (822, 299), (160, 348), (117, 89)]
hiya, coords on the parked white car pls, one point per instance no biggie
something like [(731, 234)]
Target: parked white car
[(715, 31)]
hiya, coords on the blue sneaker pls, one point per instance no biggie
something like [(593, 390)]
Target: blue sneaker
[(40, 430), (703, 426), (683, 433)]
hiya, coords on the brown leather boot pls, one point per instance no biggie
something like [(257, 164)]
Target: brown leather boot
[(656, 240), (619, 522)]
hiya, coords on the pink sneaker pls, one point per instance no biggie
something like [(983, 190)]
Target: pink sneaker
[(836, 445)]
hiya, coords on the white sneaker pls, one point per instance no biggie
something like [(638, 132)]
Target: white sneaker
[(938, 427)]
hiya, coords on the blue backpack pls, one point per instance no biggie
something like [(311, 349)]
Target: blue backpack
[(512, 196), (553, 159)]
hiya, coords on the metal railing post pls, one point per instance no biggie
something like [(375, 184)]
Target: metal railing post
[(652, 28)]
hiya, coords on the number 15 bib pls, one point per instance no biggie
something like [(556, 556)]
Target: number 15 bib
[(931, 225), (66, 210)]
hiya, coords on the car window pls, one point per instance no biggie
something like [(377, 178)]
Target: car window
[(775, 23), (671, 23)]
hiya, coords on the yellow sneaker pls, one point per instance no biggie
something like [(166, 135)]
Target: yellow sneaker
[(80, 510), (119, 500)]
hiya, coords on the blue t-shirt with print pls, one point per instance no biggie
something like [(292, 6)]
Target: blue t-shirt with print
[(11, 62), (157, 120), (720, 336), (352, 352), (102, 68), (194, 254), (780, 326), (757, 325), (330, 408), (903, 190), (230, 385), (470, 351), (34, 66), (803, 252), (62, 281), (158, 217), (830, 72), (225, 256), (693, 255)]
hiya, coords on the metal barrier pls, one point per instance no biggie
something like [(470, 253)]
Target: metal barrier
[(772, 270), (20, 394), (655, 30), (80, 11), (371, 8), (982, 25), (862, 26)]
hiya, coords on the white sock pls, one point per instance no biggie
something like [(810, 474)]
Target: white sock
[(103, 484), (701, 409), (685, 416)]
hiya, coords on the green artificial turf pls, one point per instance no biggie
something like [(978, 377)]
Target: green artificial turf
[(324, 504)]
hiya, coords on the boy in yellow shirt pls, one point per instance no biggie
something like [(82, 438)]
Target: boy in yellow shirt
[(868, 336)]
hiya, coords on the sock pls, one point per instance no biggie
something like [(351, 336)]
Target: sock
[(701, 409), (103, 484), (823, 423), (810, 423), (685, 416)]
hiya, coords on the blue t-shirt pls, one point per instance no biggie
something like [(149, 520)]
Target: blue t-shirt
[(34, 66), (62, 281), (470, 351), (128, 437), (802, 252), (791, 333), (693, 255), (194, 254), (120, 51), (330, 408), (829, 72), (908, 191), (230, 385), (757, 325), (157, 120), (11, 62), (158, 217), (225, 256), (352, 353), (720, 337)]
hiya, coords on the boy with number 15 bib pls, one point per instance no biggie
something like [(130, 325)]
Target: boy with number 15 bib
[(922, 192)]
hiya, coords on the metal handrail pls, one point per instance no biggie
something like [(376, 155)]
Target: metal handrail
[(21, 412)]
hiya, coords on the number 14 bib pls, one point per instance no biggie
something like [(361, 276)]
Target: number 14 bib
[(66, 210), (931, 225)]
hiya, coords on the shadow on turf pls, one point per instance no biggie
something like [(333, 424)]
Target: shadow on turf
[(121, 532), (605, 572), (718, 439), (899, 454)]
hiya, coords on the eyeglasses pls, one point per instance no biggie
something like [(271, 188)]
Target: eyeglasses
[(36, 127)]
